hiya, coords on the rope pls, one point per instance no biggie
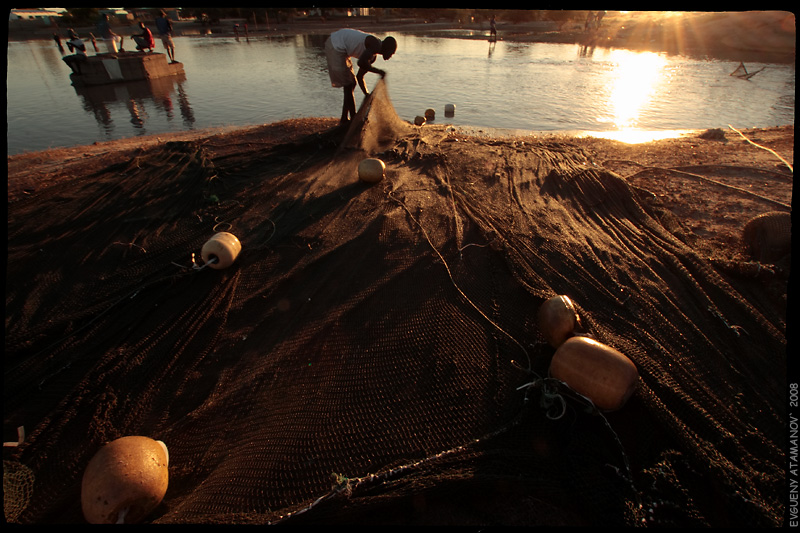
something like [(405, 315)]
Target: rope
[(450, 274), (715, 182), (551, 390), (698, 176), (346, 485), (770, 150), (774, 173), (549, 395), (554, 392)]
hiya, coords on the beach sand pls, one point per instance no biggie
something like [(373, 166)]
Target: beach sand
[(725, 156), (359, 362)]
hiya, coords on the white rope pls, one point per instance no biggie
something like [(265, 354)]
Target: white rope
[(773, 152)]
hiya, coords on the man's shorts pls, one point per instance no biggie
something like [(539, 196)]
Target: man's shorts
[(166, 40), (340, 67)]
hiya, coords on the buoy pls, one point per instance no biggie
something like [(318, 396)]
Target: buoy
[(768, 236), (599, 372), (125, 480), (449, 110), (558, 320), (430, 114), (419, 120), (224, 247), (371, 170)]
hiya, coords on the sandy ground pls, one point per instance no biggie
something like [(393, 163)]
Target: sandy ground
[(713, 181), (703, 187)]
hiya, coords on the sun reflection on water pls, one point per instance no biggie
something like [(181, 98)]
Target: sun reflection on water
[(635, 78), (633, 81)]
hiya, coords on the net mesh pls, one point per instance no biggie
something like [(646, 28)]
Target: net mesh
[(18, 481), (372, 356)]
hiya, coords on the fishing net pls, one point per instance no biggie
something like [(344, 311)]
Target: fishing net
[(372, 356), (18, 483)]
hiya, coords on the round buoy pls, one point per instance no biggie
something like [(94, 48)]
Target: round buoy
[(125, 480), (449, 110), (224, 247), (599, 372), (419, 120), (430, 114), (371, 170), (558, 320)]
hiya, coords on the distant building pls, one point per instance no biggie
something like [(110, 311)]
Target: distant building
[(150, 13), (36, 15), (351, 12), (120, 14)]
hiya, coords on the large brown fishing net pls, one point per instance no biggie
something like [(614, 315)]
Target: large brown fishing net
[(373, 356)]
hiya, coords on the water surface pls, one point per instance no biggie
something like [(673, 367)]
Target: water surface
[(525, 86)]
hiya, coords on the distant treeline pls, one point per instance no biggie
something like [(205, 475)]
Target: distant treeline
[(82, 16)]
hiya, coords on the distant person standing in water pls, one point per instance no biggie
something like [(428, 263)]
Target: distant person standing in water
[(339, 48), (493, 28), (164, 26)]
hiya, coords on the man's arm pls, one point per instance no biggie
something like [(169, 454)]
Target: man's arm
[(364, 66)]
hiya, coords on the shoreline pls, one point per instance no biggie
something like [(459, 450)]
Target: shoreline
[(632, 137), (29, 171), (615, 33)]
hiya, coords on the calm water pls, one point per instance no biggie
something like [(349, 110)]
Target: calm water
[(528, 86)]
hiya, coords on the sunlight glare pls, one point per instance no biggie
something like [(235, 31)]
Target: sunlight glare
[(635, 78), (634, 136), (633, 81)]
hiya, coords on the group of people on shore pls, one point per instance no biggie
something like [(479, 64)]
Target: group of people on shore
[(113, 41)]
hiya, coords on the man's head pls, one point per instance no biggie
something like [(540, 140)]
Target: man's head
[(388, 47)]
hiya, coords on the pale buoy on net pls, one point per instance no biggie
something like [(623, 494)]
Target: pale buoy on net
[(224, 247), (595, 370), (419, 120), (125, 480), (371, 170), (430, 114), (449, 110)]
